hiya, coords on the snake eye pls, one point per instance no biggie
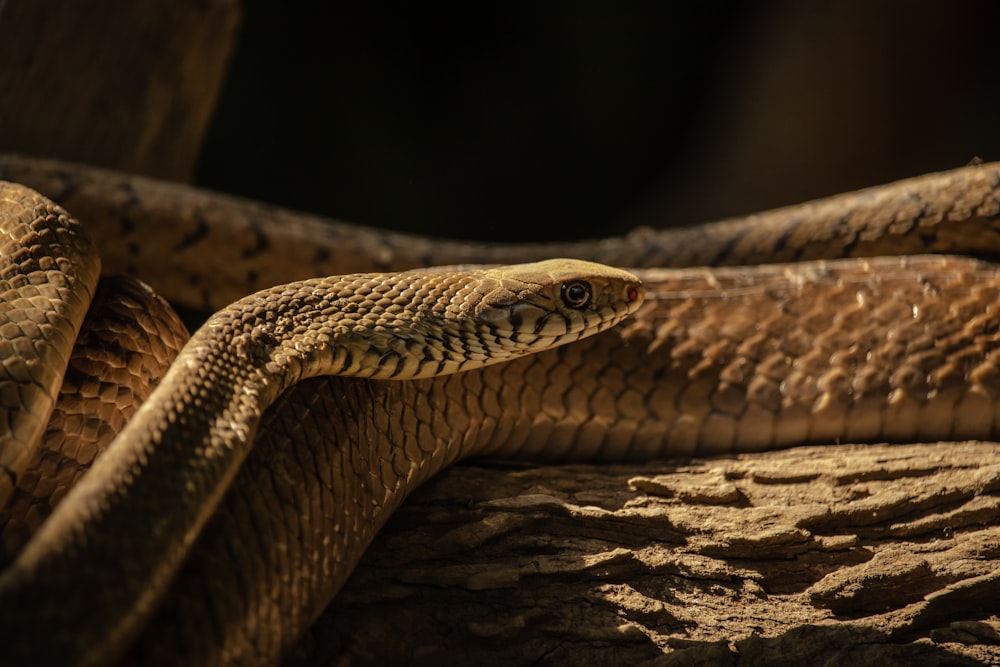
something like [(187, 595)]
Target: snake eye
[(576, 294)]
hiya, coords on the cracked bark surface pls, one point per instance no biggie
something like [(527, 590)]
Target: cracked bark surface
[(861, 554)]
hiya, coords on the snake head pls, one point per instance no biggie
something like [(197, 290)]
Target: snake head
[(423, 323), (528, 307)]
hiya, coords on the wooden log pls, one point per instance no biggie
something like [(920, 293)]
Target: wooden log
[(860, 554), (122, 84)]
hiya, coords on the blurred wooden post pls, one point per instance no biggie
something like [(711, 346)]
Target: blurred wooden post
[(128, 84)]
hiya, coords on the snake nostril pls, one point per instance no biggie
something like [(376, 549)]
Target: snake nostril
[(632, 293)]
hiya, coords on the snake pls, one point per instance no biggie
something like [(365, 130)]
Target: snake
[(214, 528)]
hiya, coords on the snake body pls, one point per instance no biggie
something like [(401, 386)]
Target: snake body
[(718, 360), (202, 419), (48, 275), (205, 250), (666, 386), (127, 340)]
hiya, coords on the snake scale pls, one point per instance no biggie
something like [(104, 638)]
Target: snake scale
[(741, 358)]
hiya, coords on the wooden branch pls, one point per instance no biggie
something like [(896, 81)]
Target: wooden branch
[(126, 84), (867, 554)]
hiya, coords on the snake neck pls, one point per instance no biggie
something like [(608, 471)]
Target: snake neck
[(187, 442)]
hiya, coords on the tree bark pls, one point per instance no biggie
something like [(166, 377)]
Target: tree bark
[(123, 84), (860, 554)]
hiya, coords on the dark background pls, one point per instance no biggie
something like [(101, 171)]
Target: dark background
[(548, 120)]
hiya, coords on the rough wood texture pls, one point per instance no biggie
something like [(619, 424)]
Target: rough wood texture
[(129, 84), (868, 555)]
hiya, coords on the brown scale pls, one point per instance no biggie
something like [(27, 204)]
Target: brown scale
[(128, 339), (717, 361)]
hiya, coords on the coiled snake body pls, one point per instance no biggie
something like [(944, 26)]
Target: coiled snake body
[(719, 360)]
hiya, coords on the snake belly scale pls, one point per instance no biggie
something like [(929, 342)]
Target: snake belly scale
[(718, 360)]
